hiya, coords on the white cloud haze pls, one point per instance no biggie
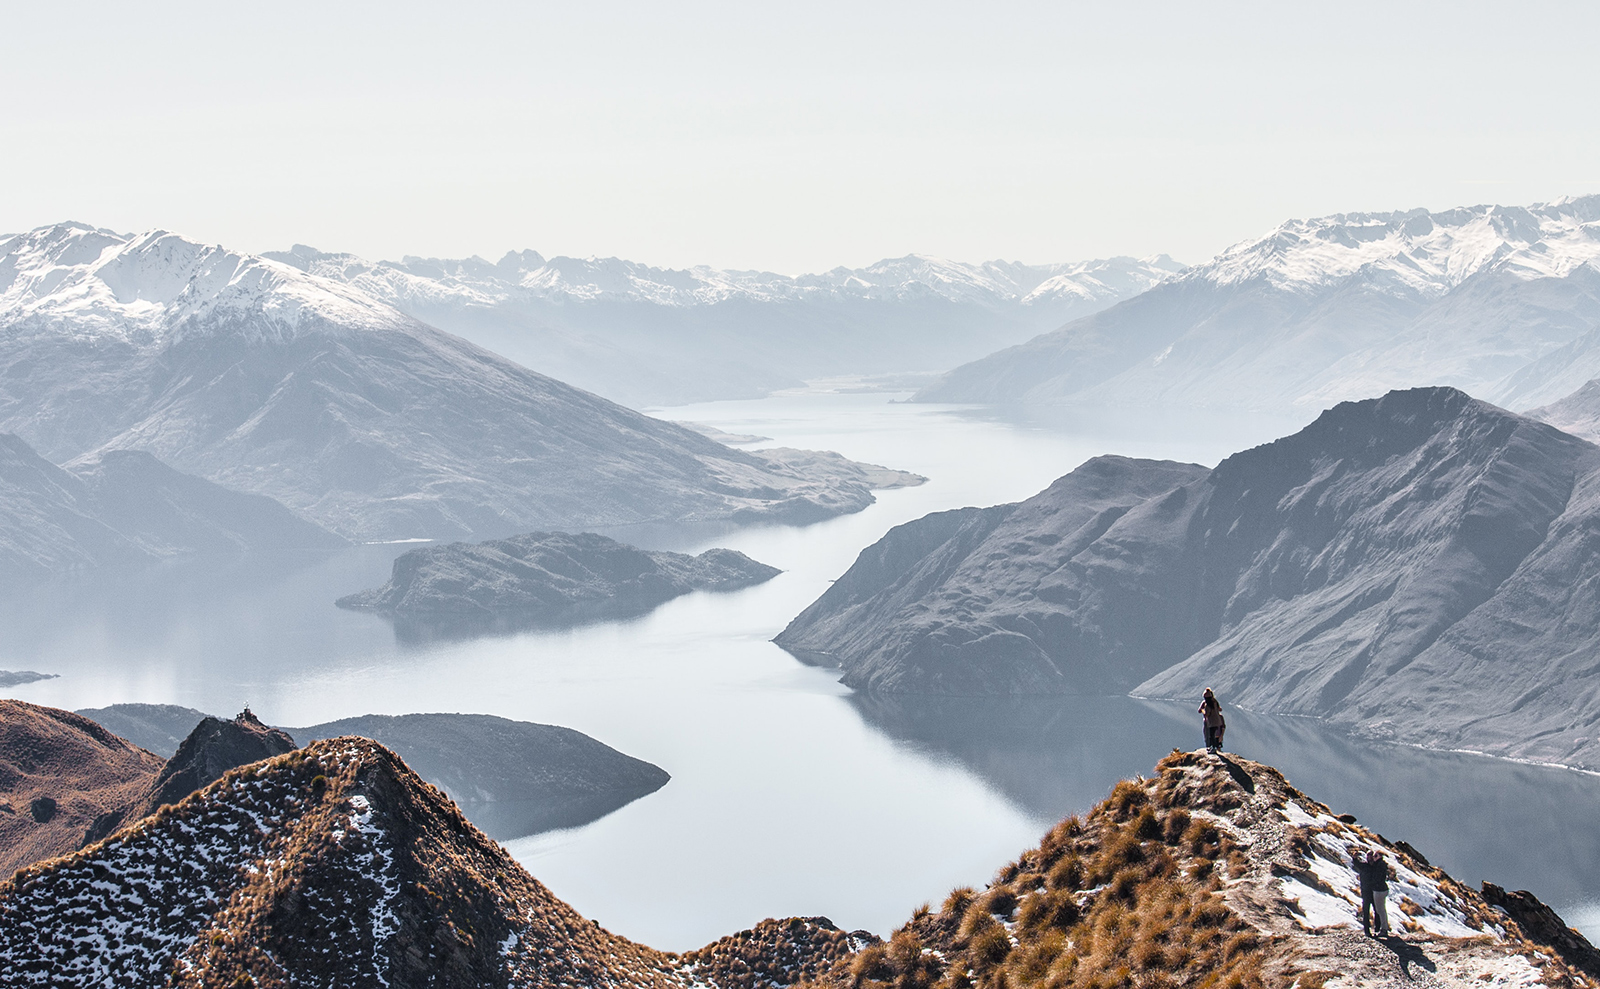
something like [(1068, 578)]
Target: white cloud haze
[(789, 137)]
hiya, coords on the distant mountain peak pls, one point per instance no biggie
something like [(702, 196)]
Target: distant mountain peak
[(1426, 252)]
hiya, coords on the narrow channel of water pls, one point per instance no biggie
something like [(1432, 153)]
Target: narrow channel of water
[(790, 795)]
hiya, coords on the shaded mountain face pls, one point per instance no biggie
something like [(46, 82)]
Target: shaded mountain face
[(545, 578), (1489, 299), (1577, 413), (1414, 567), (511, 778), (63, 781), (375, 879), (262, 378), (651, 336), (126, 507)]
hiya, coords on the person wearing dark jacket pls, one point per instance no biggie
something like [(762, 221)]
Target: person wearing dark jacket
[(1211, 718), (1373, 873)]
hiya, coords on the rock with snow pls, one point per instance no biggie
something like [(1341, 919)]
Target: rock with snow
[(1491, 299), (331, 865), (1418, 567), (260, 377), (212, 748), (546, 578), (511, 778), (652, 336)]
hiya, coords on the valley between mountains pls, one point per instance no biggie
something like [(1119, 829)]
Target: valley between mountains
[(875, 616)]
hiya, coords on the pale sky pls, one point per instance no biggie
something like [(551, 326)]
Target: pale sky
[(791, 137)]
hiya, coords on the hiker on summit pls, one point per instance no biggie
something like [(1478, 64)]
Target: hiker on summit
[(1211, 717)]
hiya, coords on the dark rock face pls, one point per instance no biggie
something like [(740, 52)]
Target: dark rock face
[(160, 728), (212, 748), (546, 578), (511, 778), (1545, 926), (1418, 565)]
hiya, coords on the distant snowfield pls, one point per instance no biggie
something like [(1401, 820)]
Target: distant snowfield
[(1502, 302)]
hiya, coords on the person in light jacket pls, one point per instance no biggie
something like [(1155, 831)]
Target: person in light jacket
[(1211, 718)]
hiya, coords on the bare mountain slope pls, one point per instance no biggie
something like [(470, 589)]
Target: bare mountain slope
[(262, 378), (1418, 566), (125, 506), (1489, 299)]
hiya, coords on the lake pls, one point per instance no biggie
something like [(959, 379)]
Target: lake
[(790, 794)]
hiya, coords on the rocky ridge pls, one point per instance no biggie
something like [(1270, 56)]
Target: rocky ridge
[(546, 578), (1416, 567), (334, 864), (511, 778)]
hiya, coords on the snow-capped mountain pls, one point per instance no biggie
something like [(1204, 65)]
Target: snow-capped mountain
[(153, 289), (1317, 311), (649, 335), (261, 377)]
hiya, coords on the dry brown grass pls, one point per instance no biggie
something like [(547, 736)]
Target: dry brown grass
[(1124, 897)]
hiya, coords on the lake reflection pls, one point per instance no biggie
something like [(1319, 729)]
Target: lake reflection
[(789, 794)]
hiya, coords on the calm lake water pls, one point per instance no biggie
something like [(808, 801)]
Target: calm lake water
[(790, 794)]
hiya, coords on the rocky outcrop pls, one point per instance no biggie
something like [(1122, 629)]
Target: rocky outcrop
[(545, 578), (511, 778), (1416, 567), (212, 748), (776, 953), (63, 780), (1216, 871), (330, 865)]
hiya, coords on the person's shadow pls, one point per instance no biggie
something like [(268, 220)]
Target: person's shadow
[(1408, 954), (1240, 777)]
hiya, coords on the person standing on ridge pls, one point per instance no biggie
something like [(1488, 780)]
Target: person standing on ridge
[(1211, 717), (1363, 870), (1377, 880)]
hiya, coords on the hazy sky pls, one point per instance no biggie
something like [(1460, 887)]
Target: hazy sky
[(793, 136)]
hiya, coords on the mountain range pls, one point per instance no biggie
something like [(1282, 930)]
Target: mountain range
[(259, 377), (644, 336), (336, 865), (1502, 302), (1415, 567)]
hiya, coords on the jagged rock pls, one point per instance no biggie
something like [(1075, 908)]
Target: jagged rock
[(212, 748), (511, 778), (1545, 926), (374, 878), (60, 776), (545, 578), (1418, 566)]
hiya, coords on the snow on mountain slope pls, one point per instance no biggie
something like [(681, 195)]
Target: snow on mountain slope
[(563, 279), (1329, 309), (260, 377), (647, 335), (153, 289)]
